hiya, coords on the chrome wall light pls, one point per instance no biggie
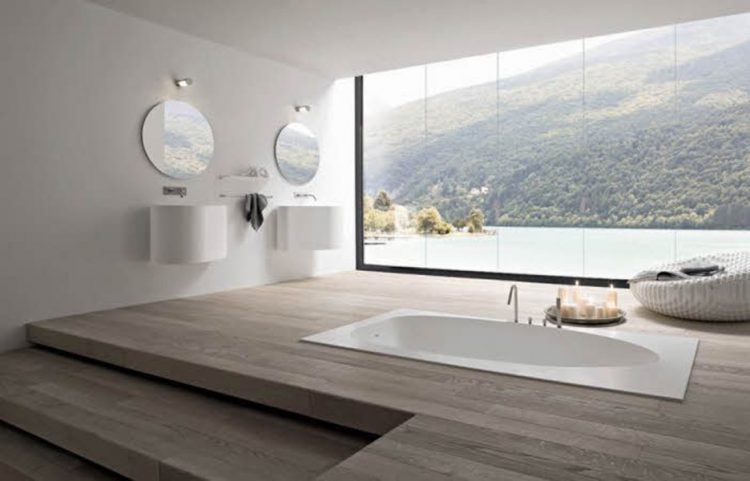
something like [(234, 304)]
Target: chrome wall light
[(302, 108), (183, 82)]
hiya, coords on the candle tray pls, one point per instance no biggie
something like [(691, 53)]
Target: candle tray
[(551, 313)]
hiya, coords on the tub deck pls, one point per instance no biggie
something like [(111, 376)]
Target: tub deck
[(467, 425)]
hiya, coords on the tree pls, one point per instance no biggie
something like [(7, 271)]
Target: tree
[(383, 201), (475, 221), (429, 221), (459, 223), (377, 220)]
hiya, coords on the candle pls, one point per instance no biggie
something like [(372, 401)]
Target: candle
[(600, 312), (569, 310), (611, 310), (612, 296), (576, 293), (562, 294), (590, 309)]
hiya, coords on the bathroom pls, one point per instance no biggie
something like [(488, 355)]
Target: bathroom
[(154, 327)]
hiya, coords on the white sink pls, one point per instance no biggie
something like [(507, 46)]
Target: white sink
[(310, 227), (188, 234)]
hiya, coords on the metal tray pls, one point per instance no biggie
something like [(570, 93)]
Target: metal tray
[(551, 313)]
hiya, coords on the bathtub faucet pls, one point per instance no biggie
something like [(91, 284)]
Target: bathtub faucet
[(514, 298)]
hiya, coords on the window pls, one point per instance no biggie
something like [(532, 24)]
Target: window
[(590, 159)]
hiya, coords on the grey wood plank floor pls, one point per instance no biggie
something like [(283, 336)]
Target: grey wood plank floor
[(146, 429), (26, 458), (468, 425)]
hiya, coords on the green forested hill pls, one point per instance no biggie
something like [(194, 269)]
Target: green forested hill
[(651, 148)]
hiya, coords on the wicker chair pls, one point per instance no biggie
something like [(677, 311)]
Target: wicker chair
[(722, 297)]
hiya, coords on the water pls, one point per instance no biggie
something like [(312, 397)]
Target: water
[(605, 253)]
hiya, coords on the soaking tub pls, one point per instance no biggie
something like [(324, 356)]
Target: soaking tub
[(649, 364)]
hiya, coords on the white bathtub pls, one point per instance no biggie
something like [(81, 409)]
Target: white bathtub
[(654, 365)]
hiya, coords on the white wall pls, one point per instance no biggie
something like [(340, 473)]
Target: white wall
[(76, 81)]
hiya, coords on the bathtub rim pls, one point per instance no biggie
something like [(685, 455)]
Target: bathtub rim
[(667, 379)]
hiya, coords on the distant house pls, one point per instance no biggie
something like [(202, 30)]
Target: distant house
[(401, 217)]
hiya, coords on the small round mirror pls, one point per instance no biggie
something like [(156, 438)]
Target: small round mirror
[(297, 154), (178, 139)]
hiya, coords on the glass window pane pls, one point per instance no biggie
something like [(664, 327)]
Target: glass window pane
[(460, 150), (540, 131), (629, 119), (393, 143), (588, 158), (540, 94), (711, 161)]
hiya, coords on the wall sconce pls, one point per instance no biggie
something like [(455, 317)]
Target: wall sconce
[(183, 82), (303, 109)]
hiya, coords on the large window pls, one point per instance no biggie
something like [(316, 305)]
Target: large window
[(593, 158)]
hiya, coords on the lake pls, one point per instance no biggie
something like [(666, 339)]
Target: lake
[(589, 252)]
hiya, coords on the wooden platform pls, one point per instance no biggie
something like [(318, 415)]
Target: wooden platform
[(26, 458), (150, 430), (469, 425)]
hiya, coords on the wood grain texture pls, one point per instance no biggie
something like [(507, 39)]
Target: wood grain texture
[(146, 429), (468, 425), (26, 458)]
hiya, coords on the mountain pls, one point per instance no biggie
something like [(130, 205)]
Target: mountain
[(637, 143)]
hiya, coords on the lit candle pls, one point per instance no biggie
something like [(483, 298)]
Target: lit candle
[(612, 296), (576, 293), (562, 293), (590, 309), (569, 311), (611, 310)]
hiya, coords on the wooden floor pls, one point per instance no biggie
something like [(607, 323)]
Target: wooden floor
[(148, 430), (26, 458), (468, 425)]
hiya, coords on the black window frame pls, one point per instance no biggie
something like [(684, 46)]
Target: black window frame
[(360, 235)]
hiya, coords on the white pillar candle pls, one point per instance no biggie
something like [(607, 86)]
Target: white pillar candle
[(581, 304), (612, 296), (611, 310), (590, 309), (576, 293), (569, 310), (600, 312), (562, 293)]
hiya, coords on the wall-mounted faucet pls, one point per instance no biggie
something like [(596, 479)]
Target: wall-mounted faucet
[(299, 195), (514, 290), (168, 190)]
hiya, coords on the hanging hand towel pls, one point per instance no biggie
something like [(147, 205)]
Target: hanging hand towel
[(254, 205)]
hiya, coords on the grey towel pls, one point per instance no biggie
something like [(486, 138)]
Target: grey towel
[(254, 205), (698, 270)]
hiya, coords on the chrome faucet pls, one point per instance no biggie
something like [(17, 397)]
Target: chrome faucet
[(514, 290), (299, 195)]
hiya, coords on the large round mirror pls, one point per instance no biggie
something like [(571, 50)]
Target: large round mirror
[(297, 153), (178, 139)]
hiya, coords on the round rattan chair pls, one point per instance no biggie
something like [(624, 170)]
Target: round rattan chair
[(722, 297)]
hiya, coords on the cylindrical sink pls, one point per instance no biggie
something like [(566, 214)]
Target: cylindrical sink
[(310, 227), (188, 234)]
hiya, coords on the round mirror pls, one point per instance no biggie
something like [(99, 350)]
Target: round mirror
[(297, 153), (178, 139)]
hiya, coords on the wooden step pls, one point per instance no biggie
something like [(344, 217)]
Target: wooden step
[(27, 458), (146, 429), (231, 351)]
